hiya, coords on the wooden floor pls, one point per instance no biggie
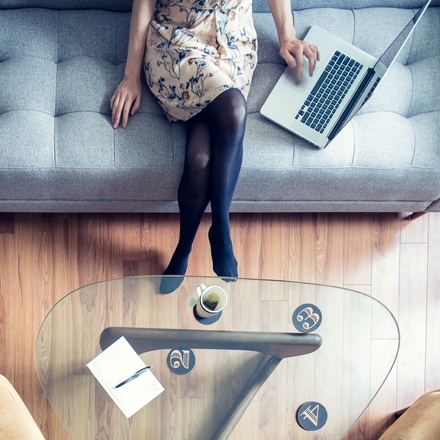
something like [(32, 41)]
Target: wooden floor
[(44, 257)]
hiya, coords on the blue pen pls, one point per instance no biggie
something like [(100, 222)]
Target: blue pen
[(135, 375)]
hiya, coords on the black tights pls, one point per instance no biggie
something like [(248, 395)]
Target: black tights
[(213, 159)]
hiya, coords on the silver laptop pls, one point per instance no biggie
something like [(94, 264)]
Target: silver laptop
[(320, 106)]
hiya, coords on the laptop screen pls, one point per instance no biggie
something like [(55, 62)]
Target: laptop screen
[(393, 50)]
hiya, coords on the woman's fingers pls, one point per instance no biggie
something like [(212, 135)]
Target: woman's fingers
[(125, 101), (136, 105), (116, 115), (288, 57), (293, 51), (311, 52)]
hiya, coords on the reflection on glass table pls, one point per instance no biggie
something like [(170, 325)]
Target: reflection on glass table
[(280, 354)]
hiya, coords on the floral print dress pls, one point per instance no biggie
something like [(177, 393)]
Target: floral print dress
[(196, 49)]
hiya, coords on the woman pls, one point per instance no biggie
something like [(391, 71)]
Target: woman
[(199, 57)]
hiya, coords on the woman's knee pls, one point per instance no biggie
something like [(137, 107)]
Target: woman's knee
[(198, 148), (234, 105), (199, 162), (227, 111)]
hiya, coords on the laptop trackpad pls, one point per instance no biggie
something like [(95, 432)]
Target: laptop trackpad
[(291, 78)]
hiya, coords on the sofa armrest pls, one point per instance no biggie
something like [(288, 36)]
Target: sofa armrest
[(421, 421), (16, 422)]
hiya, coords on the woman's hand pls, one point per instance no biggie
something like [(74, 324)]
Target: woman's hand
[(293, 51), (125, 101), (127, 98)]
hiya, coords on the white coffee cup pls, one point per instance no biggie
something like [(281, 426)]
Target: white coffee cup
[(207, 295)]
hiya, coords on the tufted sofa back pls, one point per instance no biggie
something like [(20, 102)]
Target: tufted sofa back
[(105, 5), (259, 6)]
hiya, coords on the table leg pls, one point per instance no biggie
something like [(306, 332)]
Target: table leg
[(255, 382)]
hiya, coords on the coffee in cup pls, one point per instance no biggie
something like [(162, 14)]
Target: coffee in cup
[(212, 300)]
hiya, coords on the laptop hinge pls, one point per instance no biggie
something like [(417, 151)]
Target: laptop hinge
[(353, 101)]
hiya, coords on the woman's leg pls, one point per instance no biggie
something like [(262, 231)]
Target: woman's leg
[(226, 119), (213, 159), (193, 193)]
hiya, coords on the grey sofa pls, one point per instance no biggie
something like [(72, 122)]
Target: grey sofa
[(60, 62)]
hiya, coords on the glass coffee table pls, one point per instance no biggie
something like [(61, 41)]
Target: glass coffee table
[(282, 359)]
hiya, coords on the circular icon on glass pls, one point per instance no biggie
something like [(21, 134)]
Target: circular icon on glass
[(311, 416), (181, 360), (307, 318)]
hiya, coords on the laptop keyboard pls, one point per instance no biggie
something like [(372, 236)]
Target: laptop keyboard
[(329, 91)]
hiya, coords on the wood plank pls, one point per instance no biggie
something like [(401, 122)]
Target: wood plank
[(358, 244), (302, 248), (247, 427), (34, 284), (386, 260), (200, 262), (432, 361), (362, 288), (45, 257), (415, 231), (380, 412), (99, 248), (246, 239), (412, 315), (330, 249), (6, 223), (8, 294), (32, 265), (137, 232), (272, 417), (274, 242), (164, 238)]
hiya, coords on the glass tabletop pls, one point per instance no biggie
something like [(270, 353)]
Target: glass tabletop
[(281, 360)]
